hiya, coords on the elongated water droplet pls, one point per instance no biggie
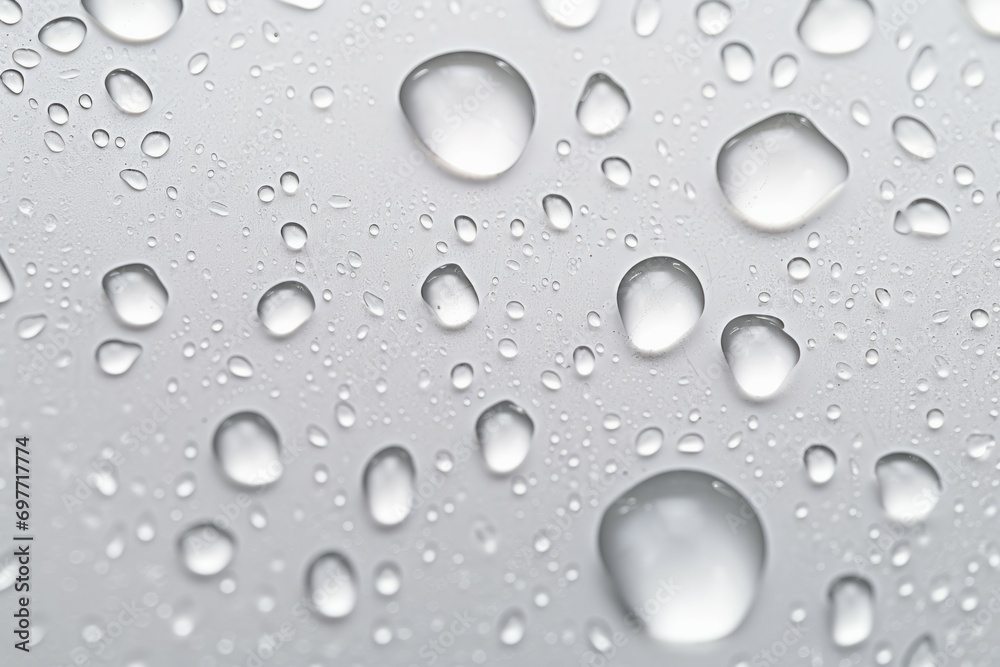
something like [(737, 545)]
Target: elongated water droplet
[(759, 353), (54, 141), (784, 71), (821, 463), (247, 449), (12, 80), (389, 485), (646, 17), (493, 101), (6, 283), (603, 106), (64, 34), (835, 27), (780, 172), (155, 144), (617, 171), (923, 217), (136, 294), (240, 367), (504, 431), (26, 58), (128, 91), (572, 14), (738, 62), (135, 20), (376, 306), (924, 69), (671, 538), (558, 210), (660, 300), (304, 4), (332, 585), (512, 627), (205, 549), (286, 307), (451, 296), (116, 357), (30, 326), (852, 610), (135, 179), (914, 137), (198, 63), (909, 487)]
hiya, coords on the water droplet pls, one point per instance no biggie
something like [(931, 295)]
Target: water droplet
[(388, 579), (924, 69), (294, 235), (737, 61), (198, 63), (852, 610), (671, 539), (964, 175), (451, 296), (923, 653), (558, 211), (513, 625), (128, 91), (30, 326), (713, 17), (461, 376), (10, 12), (289, 182), (923, 217), (660, 300), (136, 20), (494, 102), (646, 17), (603, 106), (909, 487), (835, 27), (388, 485), (799, 268), (54, 141), (247, 449), (12, 80), (980, 318), (115, 357), (376, 306), (914, 137), (821, 463), (860, 113), (986, 17), (155, 144), (780, 172), (135, 179), (206, 550), (617, 170), (573, 14), (240, 367), (332, 585), (26, 58), (136, 294), (504, 431), (64, 34), (759, 353), (974, 74), (584, 360), (649, 441), (466, 228), (286, 307), (6, 283)]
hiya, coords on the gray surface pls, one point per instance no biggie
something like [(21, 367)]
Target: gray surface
[(84, 221)]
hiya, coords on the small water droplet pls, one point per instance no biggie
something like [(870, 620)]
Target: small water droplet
[(206, 550), (914, 137), (821, 463), (558, 211), (737, 61), (155, 144), (784, 71), (116, 357), (713, 17), (924, 69), (573, 14)]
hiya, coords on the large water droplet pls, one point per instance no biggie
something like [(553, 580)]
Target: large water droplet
[(286, 307), (570, 13), (985, 14), (472, 111), (451, 296), (660, 300), (388, 485), (780, 172), (135, 20), (116, 357), (923, 217), (603, 106), (128, 91), (922, 652), (909, 487), (155, 144), (206, 550), (10, 12), (852, 610), (6, 283), (836, 27), (64, 34), (713, 17), (332, 585), (759, 353), (136, 294), (691, 543), (646, 17), (504, 431), (12, 80), (914, 137), (738, 62), (247, 449)]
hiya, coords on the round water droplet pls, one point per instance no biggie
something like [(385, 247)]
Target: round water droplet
[(617, 170), (914, 137), (322, 97), (64, 34), (909, 487), (504, 431), (461, 376), (128, 91), (247, 449), (799, 268), (558, 210), (603, 106), (835, 27), (289, 182), (116, 357), (294, 235), (286, 307), (332, 585), (852, 610), (780, 172), (388, 485), (713, 17), (155, 144), (135, 20), (759, 353), (737, 61), (660, 300), (671, 539), (206, 550), (821, 463), (451, 296), (388, 579), (980, 318), (490, 98), (923, 217), (136, 294), (240, 367), (572, 14)]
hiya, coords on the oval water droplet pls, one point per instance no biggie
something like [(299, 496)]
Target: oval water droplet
[(286, 307), (780, 172), (155, 144), (558, 211), (646, 17), (660, 300), (784, 71), (671, 539), (12, 80), (451, 296), (504, 431), (835, 27), (247, 449), (54, 141), (64, 34), (821, 463), (852, 610), (584, 360), (617, 170), (332, 585), (496, 106), (923, 217), (206, 550), (603, 106), (135, 179), (759, 353), (198, 63), (922, 652), (135, 20), (10, 12), (389, 485), (294, 235), (136, 294), (6, 283), (116, 357), (649, 441), (737, 61), (924, 69), (914, 137), (466, 228), (572, 14), (30, 326), (909, 487), (128, 91), (26, 58)]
